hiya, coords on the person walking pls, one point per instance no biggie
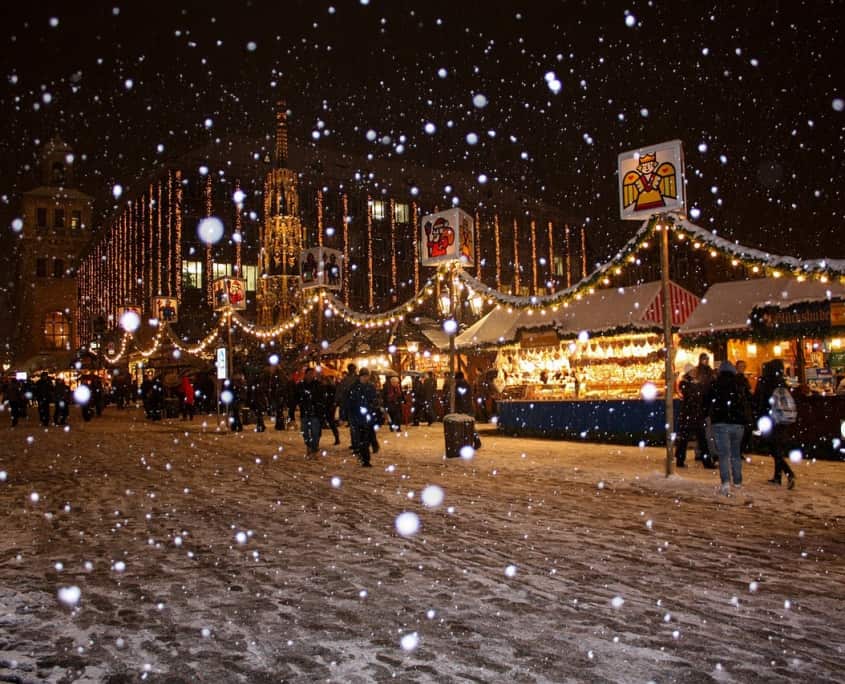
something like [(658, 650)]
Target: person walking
[(16, 399), (770, 401), (724, 402), (43, 397), (361, 408), (745, 388), (309, 398), (63, 398), (329, 407), (429, 392), (342, 391), (393, 399), (258, 401), (278, 398), (691, 419), (187, 398)]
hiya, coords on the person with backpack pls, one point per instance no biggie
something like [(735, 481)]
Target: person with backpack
[(725, 403), (772, 399)]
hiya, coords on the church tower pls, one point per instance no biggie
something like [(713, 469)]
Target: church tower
[(282, 236), (56, 228)]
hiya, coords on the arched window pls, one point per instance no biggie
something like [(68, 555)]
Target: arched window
[(58, 173), (56, 330)]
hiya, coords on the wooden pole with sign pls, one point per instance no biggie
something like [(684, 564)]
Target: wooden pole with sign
[(663, 226), (453, 312)]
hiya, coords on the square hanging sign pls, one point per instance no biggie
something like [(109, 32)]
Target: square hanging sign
[(229, 292), (321, 267), (651, 181), (447, 236)]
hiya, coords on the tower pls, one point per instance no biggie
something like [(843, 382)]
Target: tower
[(282, 236), (56, 228)]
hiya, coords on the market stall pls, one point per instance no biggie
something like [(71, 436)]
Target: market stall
[(593, 369), (800, 322)]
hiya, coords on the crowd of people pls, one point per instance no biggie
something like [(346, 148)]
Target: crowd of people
[(720, 413)]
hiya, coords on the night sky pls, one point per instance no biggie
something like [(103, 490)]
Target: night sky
[(750, 88)]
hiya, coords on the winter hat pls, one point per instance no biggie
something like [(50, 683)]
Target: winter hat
[(688, 368), (727, 367)]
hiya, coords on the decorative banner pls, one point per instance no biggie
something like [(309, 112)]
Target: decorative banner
[(321, 267), (229, 292), (221, 364), (166, 309), (447, 236), (651, 181)]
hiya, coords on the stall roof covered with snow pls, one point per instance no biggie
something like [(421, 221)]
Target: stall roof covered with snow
[(639, 307), (728, 306)]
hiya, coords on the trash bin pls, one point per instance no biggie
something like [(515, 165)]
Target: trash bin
[(459, 431)]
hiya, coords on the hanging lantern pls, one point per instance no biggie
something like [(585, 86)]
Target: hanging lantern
[(445, 304), (475, 304)]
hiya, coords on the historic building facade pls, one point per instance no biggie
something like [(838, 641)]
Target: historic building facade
[(56, 227)]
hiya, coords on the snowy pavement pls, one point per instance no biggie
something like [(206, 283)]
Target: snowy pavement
[(171, 552)]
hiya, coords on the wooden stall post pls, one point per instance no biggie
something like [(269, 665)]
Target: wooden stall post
[(663, 225)]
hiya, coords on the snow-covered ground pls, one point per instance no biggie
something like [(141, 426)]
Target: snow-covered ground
[(209, 556)]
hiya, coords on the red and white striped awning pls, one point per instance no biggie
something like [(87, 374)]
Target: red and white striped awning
[(682, 301)]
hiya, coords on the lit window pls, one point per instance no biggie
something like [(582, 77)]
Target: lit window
[(221, 270), (250, 274), (192, 274), (76, 219), (377, 207), (400, 213), (56, 330)]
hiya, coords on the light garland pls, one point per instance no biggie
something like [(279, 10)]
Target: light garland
[(568, 255), (394, 274), (516, 279), (209, 259), (551, 257), (319, 218), (160, 256), (416, 242), (583, 252), (275, 332), (383, 318), (533, 257), (199, 348), (498, 251), (238, 236), (477, 254), (370, 283), (345, 207), (177, 265)]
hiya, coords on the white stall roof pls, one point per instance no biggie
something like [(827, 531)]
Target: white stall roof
[(728, 306), (639, 306)]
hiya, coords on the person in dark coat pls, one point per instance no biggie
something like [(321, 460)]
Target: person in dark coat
[(235, 389), (329, 407), (342, 391), (63, 399), (147, 395), (691, 420), (745, 387), (156, 398), (463, 396), (43, 397), (392, 399), (309, 398), (725, 404), (361, 408), (779, 436), (278, 398), (258, 400), (429, 393), (15, 397)]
